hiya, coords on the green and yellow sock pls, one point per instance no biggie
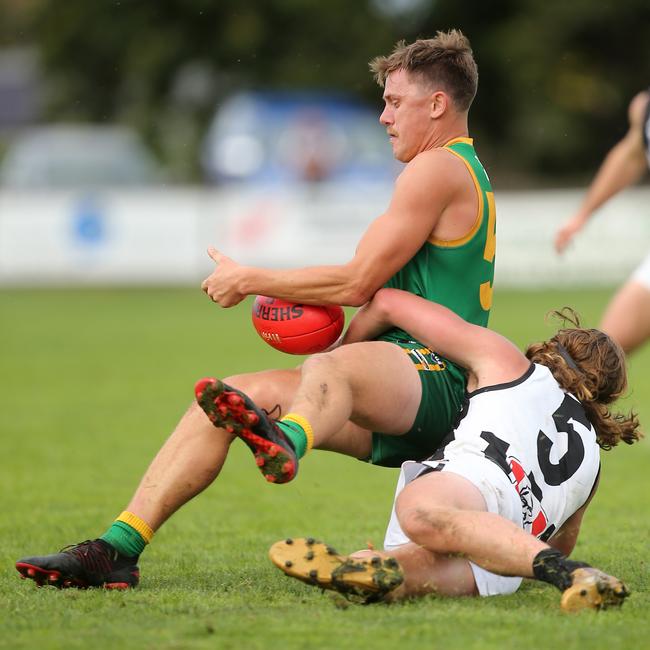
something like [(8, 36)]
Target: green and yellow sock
[(299, 431), (128, 534)]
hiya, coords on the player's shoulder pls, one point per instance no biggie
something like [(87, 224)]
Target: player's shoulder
[(496, 359), (437, 166), (437, 156)]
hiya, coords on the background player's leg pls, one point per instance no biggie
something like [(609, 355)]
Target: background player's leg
[(374, 384), (194, 454), (627, 317)]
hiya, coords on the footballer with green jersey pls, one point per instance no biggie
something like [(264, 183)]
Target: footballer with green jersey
[(435, 240), (457, 273)]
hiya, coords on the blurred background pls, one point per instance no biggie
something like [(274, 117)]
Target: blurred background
[(133, 134)]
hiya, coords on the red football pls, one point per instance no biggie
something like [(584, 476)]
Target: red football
[(294, 328)]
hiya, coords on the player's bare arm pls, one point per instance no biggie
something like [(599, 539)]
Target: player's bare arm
[(431, 184), (623, 166), (488, 356), (566, 537)]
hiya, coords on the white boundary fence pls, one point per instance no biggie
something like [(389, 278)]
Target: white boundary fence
[(159, 236)]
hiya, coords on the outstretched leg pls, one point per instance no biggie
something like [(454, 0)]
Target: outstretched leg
[(445, 517), (445, 513), (187, 463)]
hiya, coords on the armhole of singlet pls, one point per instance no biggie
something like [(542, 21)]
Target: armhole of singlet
[(459, 241)]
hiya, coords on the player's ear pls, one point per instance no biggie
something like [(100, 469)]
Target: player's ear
[(439, 103)]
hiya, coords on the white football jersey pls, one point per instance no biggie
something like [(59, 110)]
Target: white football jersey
[(540, 437)]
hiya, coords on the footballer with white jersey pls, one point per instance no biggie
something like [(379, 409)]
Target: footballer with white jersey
[(504, 496)]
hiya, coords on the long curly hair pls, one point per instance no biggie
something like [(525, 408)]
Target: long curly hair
[(594, 371)]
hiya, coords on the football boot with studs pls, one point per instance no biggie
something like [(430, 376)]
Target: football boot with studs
[(364, 580), (93, 563), (232, 410), (593, 589)]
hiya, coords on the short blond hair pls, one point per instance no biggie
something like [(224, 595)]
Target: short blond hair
[(445, 61)]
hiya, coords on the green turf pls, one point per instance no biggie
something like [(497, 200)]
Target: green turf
[(93, 381)]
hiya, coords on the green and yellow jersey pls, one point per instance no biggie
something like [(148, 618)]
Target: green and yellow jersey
[(457, 273)]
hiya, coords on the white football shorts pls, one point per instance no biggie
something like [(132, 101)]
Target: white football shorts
[(500, 497)]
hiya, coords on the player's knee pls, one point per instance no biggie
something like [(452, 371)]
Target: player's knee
[(316, 362), (327, 364), (251, 384), (430, 527), (261, 388)]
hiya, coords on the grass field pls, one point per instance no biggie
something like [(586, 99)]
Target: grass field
[(93, 381)]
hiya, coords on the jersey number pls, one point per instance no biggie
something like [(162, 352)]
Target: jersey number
[(568, 465), (554, 473)]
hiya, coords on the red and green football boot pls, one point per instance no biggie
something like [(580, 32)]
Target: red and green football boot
[(232, 410)]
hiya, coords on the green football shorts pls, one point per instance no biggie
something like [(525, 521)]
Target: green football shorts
[(443, 391)]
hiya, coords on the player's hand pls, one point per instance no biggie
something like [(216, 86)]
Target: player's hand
[(567, 232), (221, 284)]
